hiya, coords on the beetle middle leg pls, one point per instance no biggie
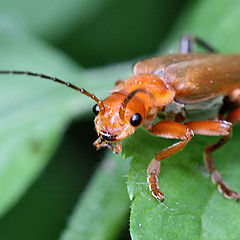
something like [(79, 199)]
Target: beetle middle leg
[(215, 128), (187, 42), (166, 129)]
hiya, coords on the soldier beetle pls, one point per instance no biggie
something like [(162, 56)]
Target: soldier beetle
[(192, 93)]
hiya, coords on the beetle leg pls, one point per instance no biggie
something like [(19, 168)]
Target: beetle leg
[(150, 118), (215, 128), (187, 42), (234, 116), (149, 121), (234, 97), (166, 129), (231, 103), (119, 82)]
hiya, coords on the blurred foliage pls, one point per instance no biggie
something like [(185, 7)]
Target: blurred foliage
[(111, 208), (44, 168), (96, 32)]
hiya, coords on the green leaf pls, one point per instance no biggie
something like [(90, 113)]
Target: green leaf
[(193, 208), (36, 112), (102, 211)]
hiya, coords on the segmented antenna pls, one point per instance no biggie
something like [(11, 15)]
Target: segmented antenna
[(127, 100), (81, 90)]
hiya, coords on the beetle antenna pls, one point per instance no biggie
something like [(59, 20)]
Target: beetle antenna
[(127, 100), (81, 90)]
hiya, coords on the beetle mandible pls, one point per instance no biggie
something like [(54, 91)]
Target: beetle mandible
[(192, 93)]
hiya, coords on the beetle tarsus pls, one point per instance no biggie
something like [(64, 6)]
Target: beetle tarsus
[(154, 188), (222, 187), (153, 171)]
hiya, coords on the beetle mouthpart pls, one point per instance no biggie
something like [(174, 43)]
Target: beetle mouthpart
[(109, 137), (115, 146), (99, 143)]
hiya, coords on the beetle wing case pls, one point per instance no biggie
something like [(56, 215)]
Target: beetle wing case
[(195, 77)]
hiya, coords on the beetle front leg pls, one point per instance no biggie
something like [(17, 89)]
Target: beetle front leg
[(215, 128), (234, 116), (166, 129)]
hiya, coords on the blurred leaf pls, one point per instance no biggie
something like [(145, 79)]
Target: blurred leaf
[(36, 111), (56, 190), (194, 208), (49, 19), (122, 30), (94, 32), (215, 21), (102, 211)]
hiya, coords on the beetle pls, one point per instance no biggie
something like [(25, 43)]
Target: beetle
[(192, 93)]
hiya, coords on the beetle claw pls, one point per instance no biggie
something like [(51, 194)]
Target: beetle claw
[(223, 188)]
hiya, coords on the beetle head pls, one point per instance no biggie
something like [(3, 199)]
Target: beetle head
[(122, 115)]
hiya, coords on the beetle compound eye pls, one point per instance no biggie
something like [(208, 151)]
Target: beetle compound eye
[(136, 119), (96, 109)]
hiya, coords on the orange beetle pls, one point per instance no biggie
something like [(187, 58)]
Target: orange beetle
[(192, 93)]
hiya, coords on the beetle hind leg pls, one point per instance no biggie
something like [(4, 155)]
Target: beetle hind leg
[(215, 128), (215, 175), (187, 42)]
